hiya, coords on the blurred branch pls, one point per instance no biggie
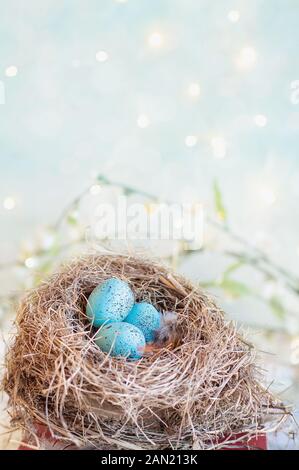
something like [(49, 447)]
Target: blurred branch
[(253, 256), (248, 254)]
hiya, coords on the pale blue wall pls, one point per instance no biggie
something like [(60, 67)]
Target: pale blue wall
[(61, 121)]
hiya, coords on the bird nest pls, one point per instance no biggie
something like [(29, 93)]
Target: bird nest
[(197, 394)]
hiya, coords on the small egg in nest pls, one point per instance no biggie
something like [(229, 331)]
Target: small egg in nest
[(147, 318), (121, 339), (109, 302)]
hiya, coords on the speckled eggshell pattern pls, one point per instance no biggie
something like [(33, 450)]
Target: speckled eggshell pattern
[(121, 339), (109, 302), (147, 318)]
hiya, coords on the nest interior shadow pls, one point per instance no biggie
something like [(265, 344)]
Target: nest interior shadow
[(198, 394)]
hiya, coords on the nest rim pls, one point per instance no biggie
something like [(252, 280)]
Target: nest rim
[(198, 395)]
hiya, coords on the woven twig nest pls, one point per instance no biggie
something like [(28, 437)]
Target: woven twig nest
[(193, 396)]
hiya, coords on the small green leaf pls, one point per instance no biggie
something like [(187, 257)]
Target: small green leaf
[(102, 179), (72, 220), (232, 268), (234, 288), (128, 191), (208, 284), (219, 206), (277, 307)]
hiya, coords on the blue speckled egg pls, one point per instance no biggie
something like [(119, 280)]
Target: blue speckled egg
[(146, 318), (109, 302), (121, 339)]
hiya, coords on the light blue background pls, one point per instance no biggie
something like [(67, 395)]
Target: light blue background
[(63, 122), (68, 117)]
